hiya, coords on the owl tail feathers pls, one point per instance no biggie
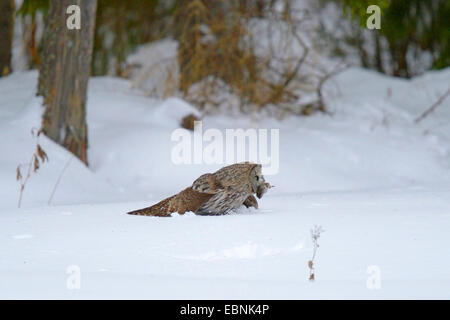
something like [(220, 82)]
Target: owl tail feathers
[(161, 209)]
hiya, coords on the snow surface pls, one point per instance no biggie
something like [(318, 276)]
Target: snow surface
[(376, 182)]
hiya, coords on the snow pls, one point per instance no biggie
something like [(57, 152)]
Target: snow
[(377, 183), (154, 68)]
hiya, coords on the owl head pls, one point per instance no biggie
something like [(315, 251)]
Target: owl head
[(259, 185)]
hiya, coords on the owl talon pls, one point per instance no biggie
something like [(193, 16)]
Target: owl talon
[(251, 202)]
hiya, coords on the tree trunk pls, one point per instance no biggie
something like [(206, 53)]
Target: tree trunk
[(378, 53), (363, 56), (64, 75), (6, 35)]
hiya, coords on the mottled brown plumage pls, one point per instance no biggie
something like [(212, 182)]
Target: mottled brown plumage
[(215, 193)]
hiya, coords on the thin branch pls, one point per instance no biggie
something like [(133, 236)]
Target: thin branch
[(338, 69), (38, 157), (59, 179), (315, 235), (24, 182), (433, 107)]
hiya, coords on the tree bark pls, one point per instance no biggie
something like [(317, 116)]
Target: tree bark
[(6, 35), (64, 75)]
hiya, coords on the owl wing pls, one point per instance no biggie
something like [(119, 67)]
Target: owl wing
[(195, 196), (186, 200), (224, 198), (189, 200), (208, 183)]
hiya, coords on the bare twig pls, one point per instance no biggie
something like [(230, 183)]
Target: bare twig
[(59, 179), (433, 107), (338, 69), (24, 181), (38, 157), (315, 235)]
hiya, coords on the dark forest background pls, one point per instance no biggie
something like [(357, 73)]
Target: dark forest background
[(409, 28)]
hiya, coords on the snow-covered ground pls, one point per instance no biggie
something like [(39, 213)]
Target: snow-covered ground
[(376, 182)]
